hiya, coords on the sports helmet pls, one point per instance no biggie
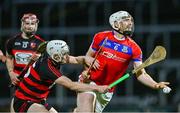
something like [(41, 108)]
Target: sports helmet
[(56, 49), (119, 17)]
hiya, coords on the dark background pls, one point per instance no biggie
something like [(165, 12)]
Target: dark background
[(76, 22)]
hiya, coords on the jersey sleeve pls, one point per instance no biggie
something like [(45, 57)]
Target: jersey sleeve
[(137, 53), (97, 41), (39, 38), (53, 72), (9, 46), (47, 71)]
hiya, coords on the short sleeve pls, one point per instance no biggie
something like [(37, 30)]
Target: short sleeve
[(9, 46), (137, 53), (97, 41), (53, 72)]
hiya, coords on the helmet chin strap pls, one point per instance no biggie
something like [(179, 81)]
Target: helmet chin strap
[(128, 33), (125, 33)]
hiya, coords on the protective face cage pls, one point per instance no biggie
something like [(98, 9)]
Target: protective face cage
[(57, 49), (29, 18)]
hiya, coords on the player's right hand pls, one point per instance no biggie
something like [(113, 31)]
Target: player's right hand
[(161, 85), (14, 78), (103, 89)]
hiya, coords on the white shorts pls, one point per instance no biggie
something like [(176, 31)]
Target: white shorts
[(100, 100)]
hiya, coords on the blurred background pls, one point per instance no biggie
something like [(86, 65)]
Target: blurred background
[(157, 22)]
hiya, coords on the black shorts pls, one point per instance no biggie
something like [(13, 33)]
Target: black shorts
[(23, 105)]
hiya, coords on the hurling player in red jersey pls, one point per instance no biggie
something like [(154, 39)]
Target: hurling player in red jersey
[(2, 57), (118, 50), (33, 90), (21, 47)]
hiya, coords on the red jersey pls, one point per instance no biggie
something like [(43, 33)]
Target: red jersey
[(38, 80), (114, 57), (22, 49)]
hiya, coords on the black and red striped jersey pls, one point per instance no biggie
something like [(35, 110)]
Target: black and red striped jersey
[(22, 49), (38, 80)]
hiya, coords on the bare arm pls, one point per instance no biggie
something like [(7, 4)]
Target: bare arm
[(9, 63), (76, 86), (146, 79), (90, 52), (10, 68), (77, 60)]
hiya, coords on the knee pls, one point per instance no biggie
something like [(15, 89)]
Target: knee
[(85, 103), (37, 108)]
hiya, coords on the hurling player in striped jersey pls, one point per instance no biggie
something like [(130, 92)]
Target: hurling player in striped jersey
[(32, 92), (21, 47)]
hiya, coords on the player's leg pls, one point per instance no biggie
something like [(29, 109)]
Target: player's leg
[(42, 107), (35, 107), (11, 106), (52, 110), (85, 102), (23, 106)]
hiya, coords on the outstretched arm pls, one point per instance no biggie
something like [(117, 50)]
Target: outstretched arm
[(86, 60), (146, 79), (76, 86), (77, 60)]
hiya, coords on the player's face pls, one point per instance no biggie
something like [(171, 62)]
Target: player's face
[(127, 24), (29, 26), (61, 59)]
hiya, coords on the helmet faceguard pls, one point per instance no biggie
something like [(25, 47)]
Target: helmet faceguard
[(58, 50), (117, 19), (29, 24)]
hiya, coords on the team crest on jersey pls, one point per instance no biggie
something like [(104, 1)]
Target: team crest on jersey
[(33, 45), (125, 49)]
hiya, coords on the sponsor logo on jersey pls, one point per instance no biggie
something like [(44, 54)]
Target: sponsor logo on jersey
[(118, 47), (22, 58), (113, 56)]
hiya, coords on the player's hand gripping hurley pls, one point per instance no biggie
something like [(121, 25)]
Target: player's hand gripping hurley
[(86, 75), (157, 55), (98, 52)]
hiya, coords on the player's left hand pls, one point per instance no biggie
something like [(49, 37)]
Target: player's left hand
[(161, 85), (103, 89)]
